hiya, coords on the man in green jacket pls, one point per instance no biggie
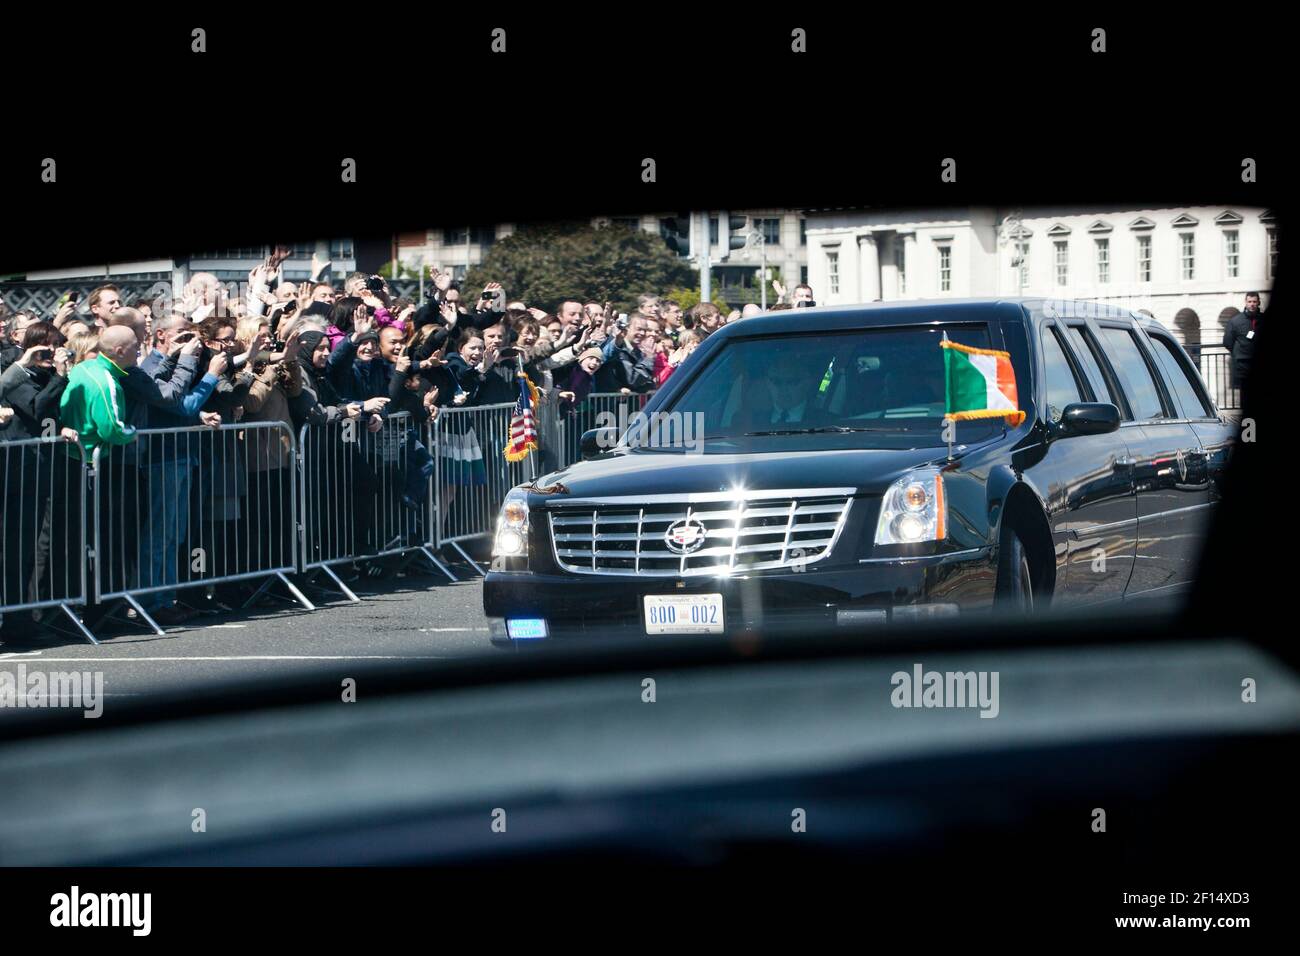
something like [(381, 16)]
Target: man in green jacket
[(94, 403), (95, 406)]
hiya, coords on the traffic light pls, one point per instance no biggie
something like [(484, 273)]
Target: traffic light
[(737, 228), (676, 231)]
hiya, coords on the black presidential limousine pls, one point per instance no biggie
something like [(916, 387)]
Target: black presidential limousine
[(797, 471)]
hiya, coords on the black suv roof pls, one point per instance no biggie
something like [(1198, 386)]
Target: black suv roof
[(830, 318)]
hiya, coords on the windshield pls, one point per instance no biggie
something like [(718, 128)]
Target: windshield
[(867, 388)]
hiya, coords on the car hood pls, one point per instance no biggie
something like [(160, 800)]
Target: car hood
[(628, 473)]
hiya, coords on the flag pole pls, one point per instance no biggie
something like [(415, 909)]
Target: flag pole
[(952, 423)]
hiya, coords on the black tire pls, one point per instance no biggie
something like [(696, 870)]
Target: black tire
[(1015, 587)]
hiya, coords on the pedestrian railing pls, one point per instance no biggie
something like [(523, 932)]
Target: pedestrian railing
[(472, 475), (180, 507), (1215, 365), (184, 507), (45, 524), (366, 494)]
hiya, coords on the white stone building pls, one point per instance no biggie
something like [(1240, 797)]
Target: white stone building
[(1189, 266)]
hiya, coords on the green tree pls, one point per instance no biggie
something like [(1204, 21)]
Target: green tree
[(545, 264), (690, 298)]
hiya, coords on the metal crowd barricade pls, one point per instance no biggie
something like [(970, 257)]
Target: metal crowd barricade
[(44, 520), (596, 410), (1215, 364), (358, 500), (184, 507), (472, 475)]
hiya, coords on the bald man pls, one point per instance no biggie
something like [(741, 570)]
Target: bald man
[(94, 402), (94, 405)]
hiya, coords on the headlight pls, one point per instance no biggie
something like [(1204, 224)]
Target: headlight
[(512, 526), (913, 510)]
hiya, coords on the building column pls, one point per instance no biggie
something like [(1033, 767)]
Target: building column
[(911, 277), (889, 269), (868, 268)]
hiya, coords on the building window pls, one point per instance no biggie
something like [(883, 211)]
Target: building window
[(1272, 253), (342, 249), (1062, 253), (482, 235), (1231, 250), (803, 232), (1188, 255), (713, 230), (945, 268), (1103, 261), (803, 275), (1022, 253), (1144, 258), (901, 265), (771, 229), (833, 271)]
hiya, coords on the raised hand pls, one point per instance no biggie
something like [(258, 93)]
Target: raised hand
[(449, 313), (435, 360), (64, 313), (374, 404), (217, 366), (361, 322), (210, 419)]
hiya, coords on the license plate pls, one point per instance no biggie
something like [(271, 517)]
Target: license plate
[(683, 613)]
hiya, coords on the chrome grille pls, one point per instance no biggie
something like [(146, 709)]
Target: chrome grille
[(740, 531)]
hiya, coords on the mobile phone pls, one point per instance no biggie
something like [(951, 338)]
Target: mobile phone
[(622, 320), (74, 296), (289, 306), (806, 304)]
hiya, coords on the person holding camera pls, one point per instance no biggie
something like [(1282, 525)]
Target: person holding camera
[(629, 363)]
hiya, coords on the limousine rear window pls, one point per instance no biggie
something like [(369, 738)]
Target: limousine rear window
[(1179, 376), (1086, 349), (1134, 373)]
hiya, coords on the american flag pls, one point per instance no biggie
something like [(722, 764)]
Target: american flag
[(523, 430)]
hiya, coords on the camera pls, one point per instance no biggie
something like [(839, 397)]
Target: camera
[(808, 304), (375, 284)]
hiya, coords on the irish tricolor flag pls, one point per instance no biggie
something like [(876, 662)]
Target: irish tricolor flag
[(979, 383)]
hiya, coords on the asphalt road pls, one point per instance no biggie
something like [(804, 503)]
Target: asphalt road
[(415, 616)]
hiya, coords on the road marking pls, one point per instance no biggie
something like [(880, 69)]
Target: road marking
[(21, 654), (213, 627), (452, 630), (265, 657)]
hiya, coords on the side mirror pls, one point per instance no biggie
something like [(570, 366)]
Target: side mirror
[(1088, 418), (597, 441)]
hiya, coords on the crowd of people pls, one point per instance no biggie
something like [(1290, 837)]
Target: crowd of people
[(308, 353)]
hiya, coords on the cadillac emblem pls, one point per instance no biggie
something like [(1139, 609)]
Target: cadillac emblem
[(685, 536)]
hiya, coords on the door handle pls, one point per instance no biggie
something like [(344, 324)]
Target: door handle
[(1124, 462)]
